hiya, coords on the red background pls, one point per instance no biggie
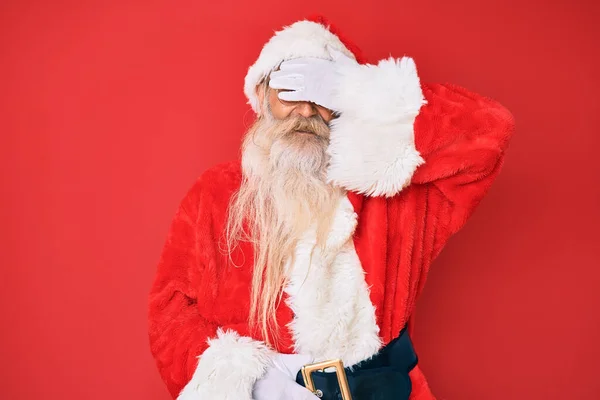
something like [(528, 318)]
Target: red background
[(110, 109)]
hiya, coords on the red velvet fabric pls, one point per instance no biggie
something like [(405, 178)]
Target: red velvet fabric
[(462, 137)]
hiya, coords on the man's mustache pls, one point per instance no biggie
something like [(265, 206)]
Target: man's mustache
[(315, 125)]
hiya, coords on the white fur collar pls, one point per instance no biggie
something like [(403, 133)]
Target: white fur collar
[(334, 316)]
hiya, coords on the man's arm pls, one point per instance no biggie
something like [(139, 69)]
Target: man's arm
[(389, 125), (462, 137), (197, 358), (393, 132)]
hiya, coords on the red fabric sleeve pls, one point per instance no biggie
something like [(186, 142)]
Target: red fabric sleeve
[(178, 334), (462, 136)]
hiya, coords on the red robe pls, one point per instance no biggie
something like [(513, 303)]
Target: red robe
[(461, 137)]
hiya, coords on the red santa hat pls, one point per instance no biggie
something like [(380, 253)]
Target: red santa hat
[(306, 38)]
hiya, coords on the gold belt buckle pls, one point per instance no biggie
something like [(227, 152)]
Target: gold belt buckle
[(308, 369)]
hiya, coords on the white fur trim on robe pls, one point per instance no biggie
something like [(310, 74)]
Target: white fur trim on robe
[(334, 316), (372, 144), (228, 368)]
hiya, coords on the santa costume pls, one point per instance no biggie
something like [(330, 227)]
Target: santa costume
[(414, 161)]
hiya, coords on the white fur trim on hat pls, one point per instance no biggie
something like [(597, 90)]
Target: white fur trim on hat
[(301, 39)]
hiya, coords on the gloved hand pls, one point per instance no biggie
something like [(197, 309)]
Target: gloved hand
[(279, 382), (311, 79)]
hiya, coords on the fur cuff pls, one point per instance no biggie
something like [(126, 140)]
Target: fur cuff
[(228, 369), (372, 144)]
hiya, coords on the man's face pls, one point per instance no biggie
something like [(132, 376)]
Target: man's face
[(295, 133), (281, 109)]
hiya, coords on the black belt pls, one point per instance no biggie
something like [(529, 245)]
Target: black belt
[(381, 377)]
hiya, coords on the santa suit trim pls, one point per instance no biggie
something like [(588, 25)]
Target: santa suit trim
[(228, 368), (372, 145), (327, 291)]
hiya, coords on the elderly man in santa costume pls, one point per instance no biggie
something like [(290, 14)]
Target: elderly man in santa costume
[(293, 273)]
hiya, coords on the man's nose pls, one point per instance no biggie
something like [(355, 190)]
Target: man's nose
[(305, 109)]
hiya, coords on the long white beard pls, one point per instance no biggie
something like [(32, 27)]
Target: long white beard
[(283, 193), (286, 170)]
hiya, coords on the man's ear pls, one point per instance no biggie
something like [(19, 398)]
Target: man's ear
[(260, 95)]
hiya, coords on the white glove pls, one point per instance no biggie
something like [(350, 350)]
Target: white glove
[(279, 382), (311, 79)]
